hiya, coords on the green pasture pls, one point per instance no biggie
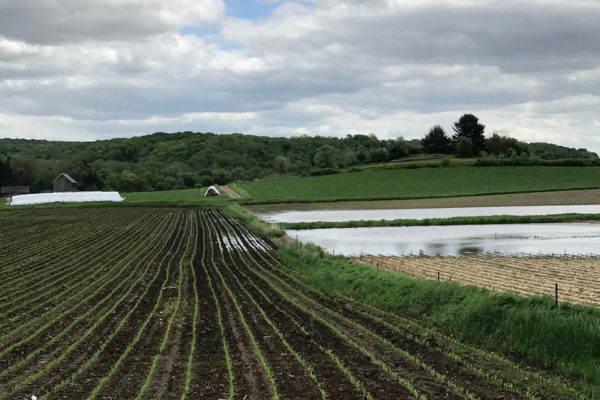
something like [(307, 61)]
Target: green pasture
[(403, 183), (167, 198)]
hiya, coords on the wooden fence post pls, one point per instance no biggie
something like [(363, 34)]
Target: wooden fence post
[(556, 294)]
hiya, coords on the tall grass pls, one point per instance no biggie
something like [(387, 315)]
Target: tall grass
[(566, 337)]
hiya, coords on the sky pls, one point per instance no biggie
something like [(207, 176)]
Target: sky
[(99, 69)]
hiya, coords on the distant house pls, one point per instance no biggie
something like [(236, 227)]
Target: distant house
[(212, 192), (64, 183), (9, 191)]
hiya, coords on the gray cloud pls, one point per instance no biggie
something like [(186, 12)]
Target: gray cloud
[(49, 21)]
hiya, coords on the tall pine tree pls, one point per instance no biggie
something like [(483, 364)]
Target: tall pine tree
[(468, 126), (436, 141)]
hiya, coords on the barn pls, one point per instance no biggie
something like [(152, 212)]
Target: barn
[(212, 192), (64, 183)]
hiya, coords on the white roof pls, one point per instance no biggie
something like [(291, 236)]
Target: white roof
[(65, 197), (212, 188)]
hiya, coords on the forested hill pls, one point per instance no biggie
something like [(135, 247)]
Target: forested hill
[(164, 161), (182, 160)]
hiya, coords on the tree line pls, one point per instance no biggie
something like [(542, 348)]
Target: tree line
[(163, 161)]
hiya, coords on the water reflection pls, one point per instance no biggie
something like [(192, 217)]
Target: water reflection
[(573, 239), (423, 213)]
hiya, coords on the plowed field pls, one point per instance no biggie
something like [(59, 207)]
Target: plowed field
[(133, 303)]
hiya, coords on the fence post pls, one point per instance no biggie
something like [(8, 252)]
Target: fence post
[(438, 277), (556, 294)]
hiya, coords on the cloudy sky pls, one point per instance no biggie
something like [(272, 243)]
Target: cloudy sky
[(97, 69)]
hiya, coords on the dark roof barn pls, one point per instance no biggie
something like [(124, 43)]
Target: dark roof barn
[(64, 183)]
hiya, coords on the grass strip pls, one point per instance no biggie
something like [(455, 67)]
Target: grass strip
[(493, 219), (407, 327), (565, 337)]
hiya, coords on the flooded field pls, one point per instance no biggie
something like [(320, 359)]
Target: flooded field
[(456, 240), (423, 213)]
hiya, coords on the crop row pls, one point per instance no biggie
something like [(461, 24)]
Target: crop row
[(546, 385), (190, 304), (84, 317)]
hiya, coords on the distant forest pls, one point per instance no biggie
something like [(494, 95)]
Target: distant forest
[(164, 161)]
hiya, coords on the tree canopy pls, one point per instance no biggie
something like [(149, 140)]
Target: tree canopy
[(436, 141), (468, 126)]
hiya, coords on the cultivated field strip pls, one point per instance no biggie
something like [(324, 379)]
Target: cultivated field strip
[(54, 272), (41, 239), (189, 304), (578, 278)]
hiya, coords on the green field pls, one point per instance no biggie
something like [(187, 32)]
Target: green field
[(170, 198), (561, 197), (420, 161), (419, 183)]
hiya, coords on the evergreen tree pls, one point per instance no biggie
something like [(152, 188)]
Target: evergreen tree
[(468, 126), (436, 141)]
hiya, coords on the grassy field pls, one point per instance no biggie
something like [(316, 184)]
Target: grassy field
[(185, 195), (419, 183), (420, 161), (168, 198)]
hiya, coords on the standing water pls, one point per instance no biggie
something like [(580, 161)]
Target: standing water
[(456, 240), (422, 213)]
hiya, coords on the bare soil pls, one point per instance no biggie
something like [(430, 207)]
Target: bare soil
[(282, 337), (230, 192)]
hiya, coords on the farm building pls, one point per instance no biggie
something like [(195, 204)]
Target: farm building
[(7, 191), (64, 183), (212, 192)]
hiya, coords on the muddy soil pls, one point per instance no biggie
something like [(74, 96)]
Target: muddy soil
[(219, 316)]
